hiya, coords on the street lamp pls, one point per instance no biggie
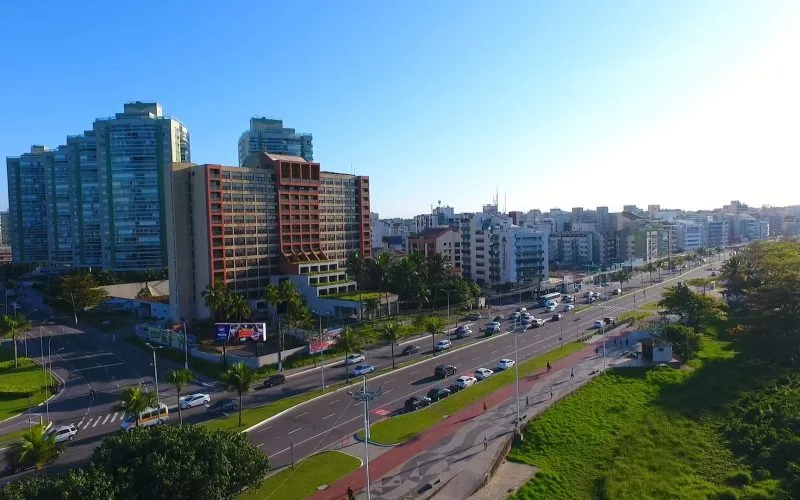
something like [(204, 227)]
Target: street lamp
[(321, 350), (448, 292), (155, 369), (516, 372), (366, 396)]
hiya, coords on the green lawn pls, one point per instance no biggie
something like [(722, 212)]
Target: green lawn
[(633, 316), (16, 383), (580, 308), (403, 427), (354, 296), (650, 306), (638, 433), (302, 481)]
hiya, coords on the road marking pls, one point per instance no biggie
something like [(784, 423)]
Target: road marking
[(87, 424), (304, 413), (96, 421), (329, 416), (259, 445), (387, 392), (80, 423), (292, 432), (106, 419), (98, 366), (476, 358), (493, 351), (114, 417), (333, 402)]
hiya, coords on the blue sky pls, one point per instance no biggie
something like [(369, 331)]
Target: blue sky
[(554, 104)]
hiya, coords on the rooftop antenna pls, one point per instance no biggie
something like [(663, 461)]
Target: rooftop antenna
[(505, 200)]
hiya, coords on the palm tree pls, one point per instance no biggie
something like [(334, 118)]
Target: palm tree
[(371, 305), (133, 402), (238, 310), (217, 298), (357, 266), (239, 379), (350, 341), (273, 297), (14, 328), (180, 378), (382, 270), (36, 448), (434, 325), (392, 333)]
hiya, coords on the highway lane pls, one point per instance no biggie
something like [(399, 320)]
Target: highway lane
[(328, 420)]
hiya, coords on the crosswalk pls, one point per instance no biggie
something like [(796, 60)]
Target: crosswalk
[(94, 421)]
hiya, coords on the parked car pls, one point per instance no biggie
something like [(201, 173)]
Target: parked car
[(193, 400), (464, 332), (474, 317), (609, 320), (568, 307), (274, 380), (414, 403), (64, 433), (438, 393), (223, 406), (443, 345), (504, 364), (362, 370), (465, 381), (443, 371), (497, 319), (556, 317), (354, 358), (483, 373), (599, 324), (409, 349)]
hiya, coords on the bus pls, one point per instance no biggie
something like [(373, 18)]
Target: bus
[(151, 416), (550, 297)]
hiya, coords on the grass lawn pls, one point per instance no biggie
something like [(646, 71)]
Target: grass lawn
[(301, 482), (15, 383), (638, 433), (355, 296), (650, 306), (581, 307), (403, 427), (633, 316)]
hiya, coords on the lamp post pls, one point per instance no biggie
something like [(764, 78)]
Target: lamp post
[(366, 396), (185, 346), (321, 350), (603, 328), (155, 369), (516, 373)]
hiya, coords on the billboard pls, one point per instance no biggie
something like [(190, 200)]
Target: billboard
[(225, 332), (328, 339), (169, 338)]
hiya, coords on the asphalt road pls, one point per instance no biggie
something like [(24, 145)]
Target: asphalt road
[(91, 360)]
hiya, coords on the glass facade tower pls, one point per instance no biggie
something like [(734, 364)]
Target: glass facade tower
[(82, 151), (59, 210), (270, 136), (27, 204)]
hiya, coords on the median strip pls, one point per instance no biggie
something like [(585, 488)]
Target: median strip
[(397, 429)]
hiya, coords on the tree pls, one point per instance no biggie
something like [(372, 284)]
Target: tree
[(180, 462), (239, 379), (685, 341), (382, 274), (88, 483), (371, 305), (434, 325), (133, 402), (80, 291), (36, 448), (14, 328), (180, 378), (392, 333), (357, 268), (238, 309), (694, 309), (350, 341), (216, 298), (272, 295)]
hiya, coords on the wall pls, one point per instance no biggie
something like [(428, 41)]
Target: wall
[(251, 361)]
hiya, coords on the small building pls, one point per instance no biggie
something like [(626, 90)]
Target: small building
[(656, 349)]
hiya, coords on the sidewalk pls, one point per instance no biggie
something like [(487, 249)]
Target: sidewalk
[(448, 460)]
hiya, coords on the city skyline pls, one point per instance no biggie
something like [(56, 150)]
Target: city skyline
[(700, 95)]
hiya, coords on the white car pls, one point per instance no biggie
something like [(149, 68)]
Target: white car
[(354, 358), (64, 433), (443, 345), (550, 308), (483, 373), (193, 400), (363, 370), (465, 381), (505, 364), (599, 324), (568, 307), (521, 310)]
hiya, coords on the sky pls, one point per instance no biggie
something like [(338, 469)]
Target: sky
[(686, 104)]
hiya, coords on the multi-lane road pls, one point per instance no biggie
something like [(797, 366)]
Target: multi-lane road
[(90, 360)]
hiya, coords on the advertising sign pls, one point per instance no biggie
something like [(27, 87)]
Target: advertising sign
[(328, 339), (169, 338), (226, 332)]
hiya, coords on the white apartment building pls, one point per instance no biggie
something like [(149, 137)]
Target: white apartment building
[(572, 248), (690, 236)]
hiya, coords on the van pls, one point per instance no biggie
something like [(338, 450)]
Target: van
[(150, 416)]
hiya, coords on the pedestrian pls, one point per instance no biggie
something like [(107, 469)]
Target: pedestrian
[(626, 341), (572, 373), (548, 366), (527, 401), (596, 351), (485, 442), (350, 494), (551, 392), (485, 407)]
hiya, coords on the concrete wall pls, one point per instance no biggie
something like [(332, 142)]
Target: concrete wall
[(251, 361)]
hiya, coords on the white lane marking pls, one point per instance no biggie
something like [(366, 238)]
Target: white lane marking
[(387, 392), (116, 413), (264, 429), (493, 351), (96, 421), (304, 413), (476, 358), (105, 419), (87, 424), (329, 416), (80, 422), (334, 402), (96, 367), (259, 445), (292, 432)]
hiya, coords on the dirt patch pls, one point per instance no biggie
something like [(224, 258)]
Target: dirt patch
[(505, 481)]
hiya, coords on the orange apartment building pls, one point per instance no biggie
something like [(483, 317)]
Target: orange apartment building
[(276, 216)]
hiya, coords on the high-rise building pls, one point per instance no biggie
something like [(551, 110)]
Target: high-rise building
[(85, 197), (277, 216), (27, 204), (270, 136), (135, 150), (59, 211), (5, 228)]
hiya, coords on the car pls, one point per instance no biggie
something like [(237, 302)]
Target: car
[(550, 308), (609, 320), (514, 315), (438, 393), (483, 373), (223, 406), (64, 433), (497, 319), (569, 299), (354, 358), (274, 380), (588, 294), (464, 333), (465, 381), (414, 403), (443, 345), (521, 310), (443, 371), (492, 328), (714, 273), (474, 317), (362, 370), (618, 291), (537, 323), (504, 364), (193, 400), (454, 388), (604, 284), (409, 349), (557, 317), (568, 307), (599, 324)]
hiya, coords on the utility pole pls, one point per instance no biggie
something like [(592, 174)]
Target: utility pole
[(155, 370), (366, 396), (185, 346), (516, 373)]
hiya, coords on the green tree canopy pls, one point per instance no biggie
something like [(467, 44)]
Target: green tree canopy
[(239, 379), (694, 309), (133, 401), (80, 291), (685, 341)]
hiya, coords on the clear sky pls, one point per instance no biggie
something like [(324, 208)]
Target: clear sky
[(555, 104)]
